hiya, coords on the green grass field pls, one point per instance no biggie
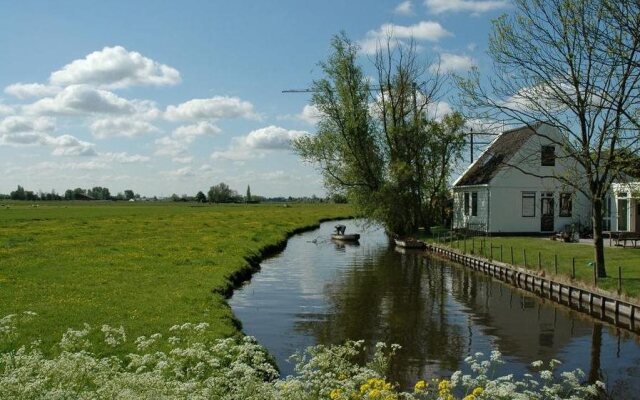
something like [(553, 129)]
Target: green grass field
[(628, 259), (146, 266)]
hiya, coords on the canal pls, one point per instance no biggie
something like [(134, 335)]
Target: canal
[(320, 292)]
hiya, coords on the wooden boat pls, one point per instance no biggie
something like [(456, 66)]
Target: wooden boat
[(408, 243), (346, 238)]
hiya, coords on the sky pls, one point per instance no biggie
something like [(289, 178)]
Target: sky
[(170, 97)]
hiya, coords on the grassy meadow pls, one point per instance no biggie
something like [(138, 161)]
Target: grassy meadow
[(626, 258), (145, 266)]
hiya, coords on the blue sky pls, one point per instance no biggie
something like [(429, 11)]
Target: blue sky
[(170, 97)]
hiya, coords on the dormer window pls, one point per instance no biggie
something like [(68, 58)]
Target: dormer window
[(548, 156)]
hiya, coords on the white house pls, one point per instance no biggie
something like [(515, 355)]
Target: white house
[(500, 191), (622, 208), (504, 190)]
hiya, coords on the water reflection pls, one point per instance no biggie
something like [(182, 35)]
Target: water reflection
[(439, 312)]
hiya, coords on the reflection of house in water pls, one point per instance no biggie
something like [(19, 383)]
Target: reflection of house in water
[(524, 326)]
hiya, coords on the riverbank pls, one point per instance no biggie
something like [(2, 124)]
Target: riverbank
[(541, 255), (146, 266)]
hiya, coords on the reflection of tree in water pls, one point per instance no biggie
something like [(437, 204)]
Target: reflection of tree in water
[(525, 326), (596, 344), (394, 299)]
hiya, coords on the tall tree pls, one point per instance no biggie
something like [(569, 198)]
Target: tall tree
[(18, 194), (201, 197), (248, 197), (373, 141), (222, 193), (575, 65)]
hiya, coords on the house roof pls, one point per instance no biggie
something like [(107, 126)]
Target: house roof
[(499, 152)]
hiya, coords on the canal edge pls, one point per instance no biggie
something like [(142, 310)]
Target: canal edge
[(243, 274), (602, 306)]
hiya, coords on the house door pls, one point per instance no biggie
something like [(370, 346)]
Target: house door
[(623, 214), (546, 212)]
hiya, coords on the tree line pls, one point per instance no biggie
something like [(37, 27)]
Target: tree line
[(95, 193), (220, 193)]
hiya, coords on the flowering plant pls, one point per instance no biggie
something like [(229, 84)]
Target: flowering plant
[(239, 368)]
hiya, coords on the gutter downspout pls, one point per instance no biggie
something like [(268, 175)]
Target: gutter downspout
[(488, 209)]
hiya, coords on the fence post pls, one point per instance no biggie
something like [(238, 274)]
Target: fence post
[(491, 251), (619, 279), (539, 261), (595, 275)]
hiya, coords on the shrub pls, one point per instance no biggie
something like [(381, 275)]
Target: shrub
[(239, 368)]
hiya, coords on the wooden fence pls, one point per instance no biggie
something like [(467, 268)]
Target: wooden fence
[(598, 305)]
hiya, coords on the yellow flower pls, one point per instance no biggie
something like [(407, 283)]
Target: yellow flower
[(420, 386), (469, 397), (364, 388), (443, 389), (335, 394), (477, 391), (374, 394)]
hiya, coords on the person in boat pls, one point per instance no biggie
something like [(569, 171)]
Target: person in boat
[(340, 229)]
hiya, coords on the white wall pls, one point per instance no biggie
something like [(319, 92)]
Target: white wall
[(469, 221), (506, 209)]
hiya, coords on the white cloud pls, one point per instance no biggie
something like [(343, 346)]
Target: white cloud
[(31, 90), (178, 142), (236, 152), (422, 31), (184, 172), (5, 109), (439, 110), (404, 8), (190, 132), (310, 114), (272, 138), (120, 126), (480, 126), (257, 142), (182, 160), (452, 63), (115, 67), (31, 131), (166, 146), (473, 6), (124, 158), (21, 138), (212, 108), (67, 145), (56, 170), (16, 124), (82, 99)]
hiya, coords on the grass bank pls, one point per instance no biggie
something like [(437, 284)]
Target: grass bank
[(628, 259), (146, 266)]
